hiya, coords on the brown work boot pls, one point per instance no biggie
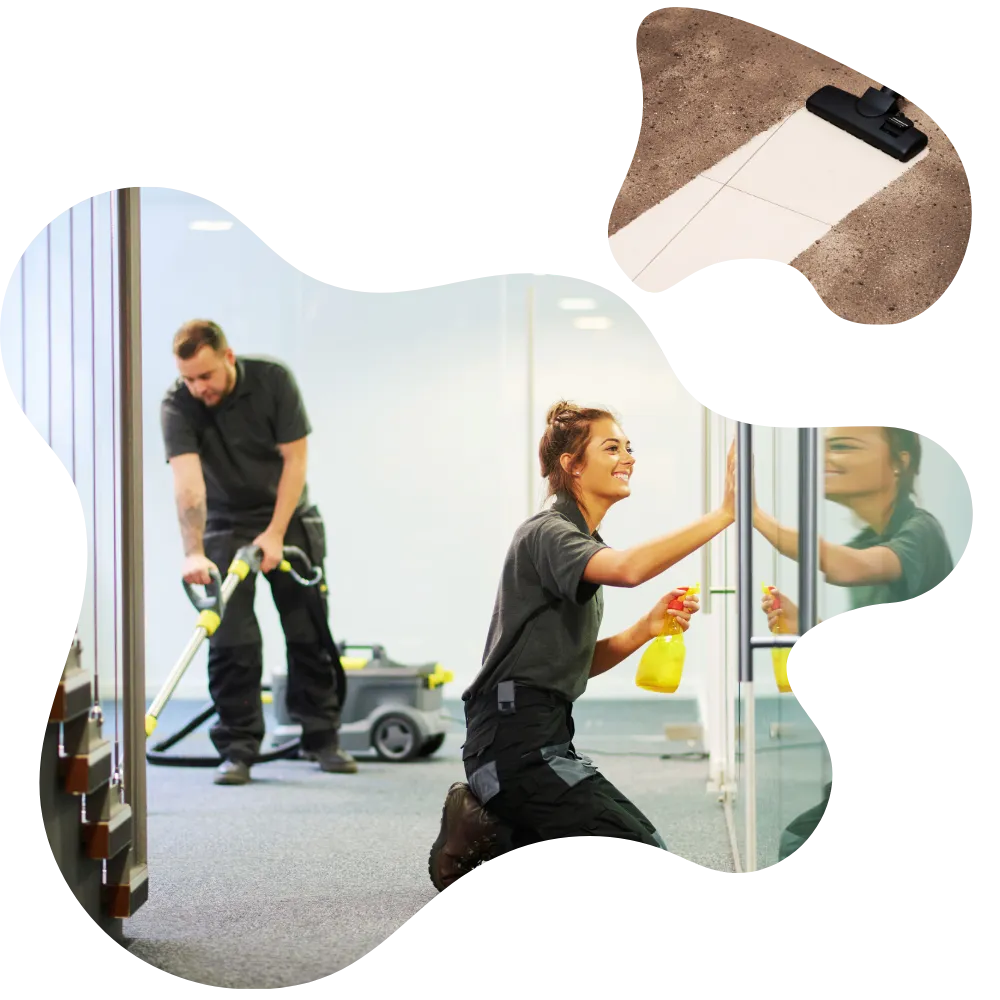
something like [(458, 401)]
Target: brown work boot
[(232, 772), (468, 837), (336, 761)]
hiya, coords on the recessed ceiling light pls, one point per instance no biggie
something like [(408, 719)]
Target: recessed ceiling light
[(592, 323), (577, 305), (206, 226)]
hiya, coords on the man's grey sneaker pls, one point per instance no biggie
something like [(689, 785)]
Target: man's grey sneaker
[(232, 772), (336, 761)]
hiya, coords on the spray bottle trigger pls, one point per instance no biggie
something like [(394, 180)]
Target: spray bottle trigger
[(677, 604)]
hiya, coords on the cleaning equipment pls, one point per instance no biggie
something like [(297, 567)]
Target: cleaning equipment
[(779, 655), (662, 664), (393, 709), (211, 609), (874, 118)]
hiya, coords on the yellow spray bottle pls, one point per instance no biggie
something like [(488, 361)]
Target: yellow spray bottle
[(779, 654), (662, 664)]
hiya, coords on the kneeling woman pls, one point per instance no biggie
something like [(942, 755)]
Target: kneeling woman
[(542, 648)]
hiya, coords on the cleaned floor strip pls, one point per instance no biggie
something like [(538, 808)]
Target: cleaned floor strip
[(714, 89)]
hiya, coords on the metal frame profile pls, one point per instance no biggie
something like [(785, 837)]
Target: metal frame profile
[(808, 563), (718, 604), (129, 886)]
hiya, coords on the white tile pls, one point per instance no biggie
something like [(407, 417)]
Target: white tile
[(636, 244), (817, 169), (725, 169), (732, 226)]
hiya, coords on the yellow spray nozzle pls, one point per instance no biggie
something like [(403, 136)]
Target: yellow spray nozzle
[(150, 724), (285, 566)]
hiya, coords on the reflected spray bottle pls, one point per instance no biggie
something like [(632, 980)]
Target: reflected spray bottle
[(779, 654)]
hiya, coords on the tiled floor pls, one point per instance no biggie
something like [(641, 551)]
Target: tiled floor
[(771, 199)]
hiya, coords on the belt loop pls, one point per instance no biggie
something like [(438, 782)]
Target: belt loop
[(505, 697)]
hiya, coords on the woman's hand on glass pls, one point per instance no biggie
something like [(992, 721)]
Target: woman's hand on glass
[(729, 497)]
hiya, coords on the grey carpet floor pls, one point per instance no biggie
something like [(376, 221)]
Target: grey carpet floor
[(299, 874)]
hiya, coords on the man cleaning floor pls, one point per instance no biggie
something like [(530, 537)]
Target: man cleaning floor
[(235, 433)]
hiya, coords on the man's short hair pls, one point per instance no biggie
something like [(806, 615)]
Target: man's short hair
[(196, 334)]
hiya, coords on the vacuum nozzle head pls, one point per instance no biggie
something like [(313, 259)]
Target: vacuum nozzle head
[(873, 118), (876, 103)]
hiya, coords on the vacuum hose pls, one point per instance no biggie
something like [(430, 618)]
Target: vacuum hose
[(158, 753)]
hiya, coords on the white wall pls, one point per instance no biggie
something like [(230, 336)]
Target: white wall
[(421, 454), (422, 458)]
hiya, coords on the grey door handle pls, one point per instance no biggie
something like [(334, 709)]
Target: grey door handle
[(808, 544)]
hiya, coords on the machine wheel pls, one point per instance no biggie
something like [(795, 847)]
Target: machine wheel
[(432, 745), (396, 738)]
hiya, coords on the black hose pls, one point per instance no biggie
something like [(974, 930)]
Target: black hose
[(203, 716), (289, 749), (157, 755)]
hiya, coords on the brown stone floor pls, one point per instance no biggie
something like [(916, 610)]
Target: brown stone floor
[(711, 82)]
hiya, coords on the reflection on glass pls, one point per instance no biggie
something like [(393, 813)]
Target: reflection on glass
[(789, 756), (896, 552), (739, 815), (792, 766), (901, 552)]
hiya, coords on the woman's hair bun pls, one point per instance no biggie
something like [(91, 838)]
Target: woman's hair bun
[(561, 412)]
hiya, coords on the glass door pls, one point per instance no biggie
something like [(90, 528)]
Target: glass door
[(779, 760), (719, 605), (771, 762), (789, 751)]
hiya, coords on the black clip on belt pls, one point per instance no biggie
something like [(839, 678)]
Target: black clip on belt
[(505, 697)]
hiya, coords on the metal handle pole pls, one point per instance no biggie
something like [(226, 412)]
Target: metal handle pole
[(530, 387), (133, 612), (706, 486), (808, 527), (744, 530), (783, 641), (744, 533), (177, 672), (231, 582)]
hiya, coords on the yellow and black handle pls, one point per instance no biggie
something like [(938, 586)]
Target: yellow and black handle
[(246, 561), (210, 603)]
